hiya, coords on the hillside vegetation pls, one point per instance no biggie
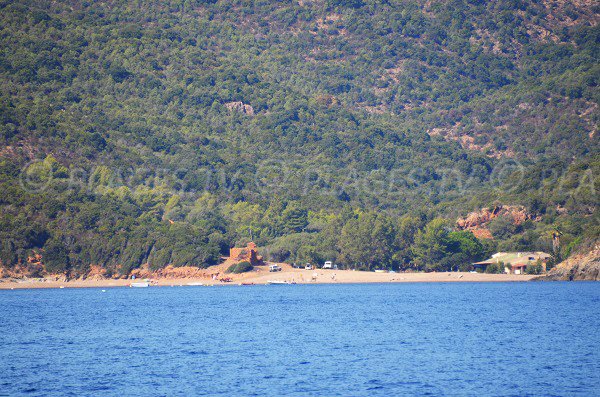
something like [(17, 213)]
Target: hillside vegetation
[(164, 132)]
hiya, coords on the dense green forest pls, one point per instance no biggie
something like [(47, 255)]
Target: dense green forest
[(164, 132)]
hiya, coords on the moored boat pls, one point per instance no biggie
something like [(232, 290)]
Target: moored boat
[(143, 284)]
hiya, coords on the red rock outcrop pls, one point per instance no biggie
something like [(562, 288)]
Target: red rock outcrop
[(240, 107), (482, 234), (32, 268), (171, 272), (477, 221), (35, 268), (581, 266), (96, 272), (248, 253)]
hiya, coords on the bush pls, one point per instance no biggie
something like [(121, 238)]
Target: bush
[(465, 267), (241, 267), (535, 269), (280, 254), (495, 268)]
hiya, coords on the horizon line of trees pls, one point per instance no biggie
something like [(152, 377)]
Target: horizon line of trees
[(122, 230)]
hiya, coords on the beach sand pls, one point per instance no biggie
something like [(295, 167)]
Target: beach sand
[(261, 275)]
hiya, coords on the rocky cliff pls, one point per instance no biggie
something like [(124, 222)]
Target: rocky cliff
[(478, 221), (577, 267)]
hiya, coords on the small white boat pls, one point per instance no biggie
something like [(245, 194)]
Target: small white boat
[(279, 282), (140, 285), (195, 284)]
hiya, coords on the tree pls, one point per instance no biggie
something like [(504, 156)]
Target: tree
[(56, 256), (465, 243), (431, 245), (503, 227), (367, 242), (536, 268), (407, 228), (294, 219)]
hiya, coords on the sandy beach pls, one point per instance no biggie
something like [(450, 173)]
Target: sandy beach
[(261, 275)]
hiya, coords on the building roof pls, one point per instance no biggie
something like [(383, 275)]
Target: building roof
[(512, 258), (488, 262), (518, 265)]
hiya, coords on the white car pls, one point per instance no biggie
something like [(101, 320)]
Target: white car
[(308, 267), (274, 268), (328, 265)]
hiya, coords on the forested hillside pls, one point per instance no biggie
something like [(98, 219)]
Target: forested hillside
[(164, 132)]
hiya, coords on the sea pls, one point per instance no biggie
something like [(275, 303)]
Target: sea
[(409, 339)]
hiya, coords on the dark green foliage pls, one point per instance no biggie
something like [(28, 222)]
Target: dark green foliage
[(241, 267), (437, 248), (279, 255), (537, 268), (118, 73), (465, 242), (503, 227), (295, 219), (366, 241), (56, 256), (121, 146), (346, 3), (495, 268)]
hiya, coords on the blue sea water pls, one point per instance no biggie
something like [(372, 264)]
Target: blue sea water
[(456, 339)]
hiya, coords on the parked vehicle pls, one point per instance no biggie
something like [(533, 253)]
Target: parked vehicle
[(308, 266), (274, 268), (328, 265)]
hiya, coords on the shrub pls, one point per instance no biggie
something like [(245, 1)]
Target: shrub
[(495, 268), (535, 269), (241, 267), (466, 267), (280, 254)]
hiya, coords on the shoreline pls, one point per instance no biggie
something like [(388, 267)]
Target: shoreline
[(262, 277)]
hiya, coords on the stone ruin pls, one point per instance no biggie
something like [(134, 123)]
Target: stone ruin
[(248, 253), (240, 107)]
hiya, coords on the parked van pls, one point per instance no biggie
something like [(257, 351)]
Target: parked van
[(274, 268), (328, 265)]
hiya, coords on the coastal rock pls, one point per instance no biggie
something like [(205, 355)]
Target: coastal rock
[(20, 271), (577, 267), (240, 107), (56, 277), (477, 221), (96, 272), (170, 272)]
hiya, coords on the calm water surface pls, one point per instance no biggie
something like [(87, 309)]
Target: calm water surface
[(459, 339)]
